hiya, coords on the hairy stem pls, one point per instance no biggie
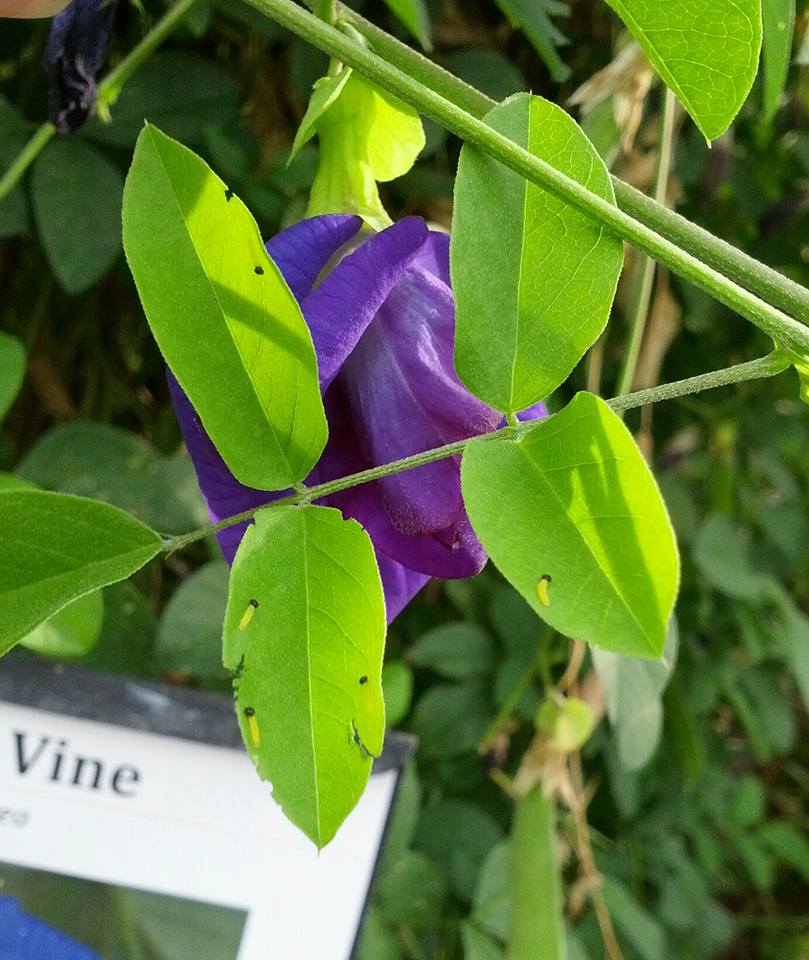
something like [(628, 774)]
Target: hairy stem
[(769, 366), (108, 91), (743, 269), (784, 330)]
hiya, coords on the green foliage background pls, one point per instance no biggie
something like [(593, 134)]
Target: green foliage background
[(703, 849)]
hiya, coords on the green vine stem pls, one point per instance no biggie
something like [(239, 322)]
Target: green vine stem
[(108, 91), (784, 330), (769, 366), (25, 158), (743, 269), (642, 299)]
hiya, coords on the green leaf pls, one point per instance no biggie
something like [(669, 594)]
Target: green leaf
[(413, 891), (793, 633), (404, 817), (325, 93), (533, 17), (537, 930), (487, 70), (749, 802), (522, 635), (12, 370), (788, 844), (640, 927), (222, 315), (182, 93), (491, 904), (76, 192), (721, 553), (779, 24), (633, 690), (478, 945), (75, 629), (573, 499), (310, 660), (72, 632), (58, 548), (451, 718), (104, 462), (774, 715), (534, 279), (459, 834), (397, 687), (377, 940), (366, 135), (707, 54), (189, 638), (127, 633), (757, 860), (8, 481), (454, 650), (415, 16)]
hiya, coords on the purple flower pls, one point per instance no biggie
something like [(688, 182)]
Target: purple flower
[(76, 51), (383, 324), (23, 937)]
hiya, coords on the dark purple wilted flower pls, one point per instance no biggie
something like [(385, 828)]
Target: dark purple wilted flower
[(23, 937), (383, 326), (76, 51)]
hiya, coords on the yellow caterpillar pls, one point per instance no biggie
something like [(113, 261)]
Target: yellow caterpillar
[(543, 593)]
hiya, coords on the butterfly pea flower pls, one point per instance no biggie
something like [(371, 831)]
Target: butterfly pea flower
[(383, 324), (75, 52), (25, 937)]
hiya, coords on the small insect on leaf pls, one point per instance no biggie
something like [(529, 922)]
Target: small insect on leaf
[(259, 271), (244, 623), (363, 680), (228, 194), (252, 726), (543, 586)]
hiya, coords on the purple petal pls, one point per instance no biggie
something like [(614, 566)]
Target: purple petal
[(75, 52), (451, 553), (434, 256), (399, 583), (341, 308), (537, 412), (406, 398), (223, 493), (301, 251)]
